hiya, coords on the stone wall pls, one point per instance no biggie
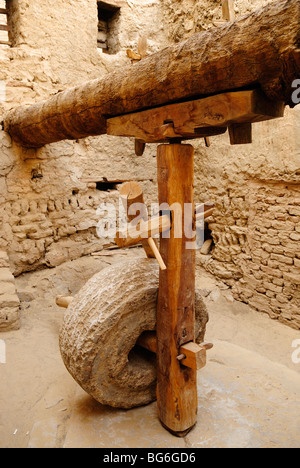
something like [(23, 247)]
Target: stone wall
[(48, 197)]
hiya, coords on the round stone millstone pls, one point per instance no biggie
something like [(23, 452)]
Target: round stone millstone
[(101, 327)]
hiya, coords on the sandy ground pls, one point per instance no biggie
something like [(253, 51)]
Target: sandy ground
[(248, 394)]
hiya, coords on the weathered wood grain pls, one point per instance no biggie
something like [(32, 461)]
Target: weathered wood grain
[(257, 50), (202, 117), (176, 384)]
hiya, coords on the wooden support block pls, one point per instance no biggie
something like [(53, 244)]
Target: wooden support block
[(64, 301), (194, 356), (240, 133), (176, 384), (200, 118)]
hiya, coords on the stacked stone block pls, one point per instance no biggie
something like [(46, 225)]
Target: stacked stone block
[(257, 248)]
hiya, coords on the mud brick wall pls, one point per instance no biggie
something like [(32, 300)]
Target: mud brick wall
[(9, 301), (272, 279), (256, 252)]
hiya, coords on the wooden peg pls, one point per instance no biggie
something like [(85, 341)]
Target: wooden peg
[(64, 301), (207, 142), (228, 10), (139, 147), (190, 355), (156, 252)]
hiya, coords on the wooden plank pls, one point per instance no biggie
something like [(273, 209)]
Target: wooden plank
[(261, 50), (176, 384), (3, 27), (196, 117), (5, 43), (3, 11)]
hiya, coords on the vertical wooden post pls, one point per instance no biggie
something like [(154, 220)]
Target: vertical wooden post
[(176, 387)]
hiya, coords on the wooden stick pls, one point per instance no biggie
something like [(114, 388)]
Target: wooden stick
[(156, 252), (203, 207), (204, 215), (176, 384)]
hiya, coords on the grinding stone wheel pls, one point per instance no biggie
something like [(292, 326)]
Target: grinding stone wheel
[(101, 327)]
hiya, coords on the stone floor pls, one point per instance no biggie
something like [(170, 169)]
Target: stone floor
[(248, 394)]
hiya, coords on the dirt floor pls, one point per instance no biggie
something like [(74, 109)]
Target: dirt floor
[(248, 393)]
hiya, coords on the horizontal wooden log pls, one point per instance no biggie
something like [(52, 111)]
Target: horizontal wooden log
[(257, 50), (144, 230), (3, 27)]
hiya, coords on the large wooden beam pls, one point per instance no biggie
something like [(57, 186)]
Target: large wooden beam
[(257, 50), (176, 385)]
